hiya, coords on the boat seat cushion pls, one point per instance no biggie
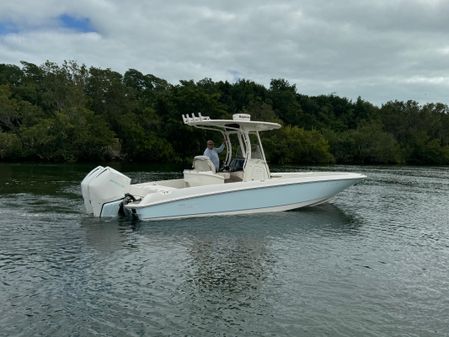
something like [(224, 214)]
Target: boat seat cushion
[(202, 164), (146, 188)]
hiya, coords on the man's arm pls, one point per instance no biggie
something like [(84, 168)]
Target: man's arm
[(220, 149)]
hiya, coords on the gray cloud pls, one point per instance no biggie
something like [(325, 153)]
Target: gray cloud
[(379, 50)]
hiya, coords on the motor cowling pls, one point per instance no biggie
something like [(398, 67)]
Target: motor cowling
[(103, 190)]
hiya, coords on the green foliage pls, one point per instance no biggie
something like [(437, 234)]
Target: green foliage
[(68, 136), (261, 111), (421, 131), (368, 144), (10, 146), (139, 138), (70, 112), (296, 145), (284, 101)]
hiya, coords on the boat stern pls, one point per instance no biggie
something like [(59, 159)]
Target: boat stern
[(104, 190)]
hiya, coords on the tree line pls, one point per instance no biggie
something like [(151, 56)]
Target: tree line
[(71, 113)]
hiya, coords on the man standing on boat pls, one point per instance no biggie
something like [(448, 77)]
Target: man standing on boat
[(212, 152)]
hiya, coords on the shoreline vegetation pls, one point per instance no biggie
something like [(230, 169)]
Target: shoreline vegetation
[(71, 113)]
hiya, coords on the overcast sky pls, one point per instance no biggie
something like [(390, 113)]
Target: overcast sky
[(378, 49)]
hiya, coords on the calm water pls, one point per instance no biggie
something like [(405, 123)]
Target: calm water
[(374, 262)]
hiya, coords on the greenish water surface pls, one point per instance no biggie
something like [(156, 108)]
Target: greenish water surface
[(374, 262)]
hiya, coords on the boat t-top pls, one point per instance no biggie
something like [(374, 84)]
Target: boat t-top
[(242, 185)]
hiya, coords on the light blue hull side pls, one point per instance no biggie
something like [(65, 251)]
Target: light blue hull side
[(258, 199)]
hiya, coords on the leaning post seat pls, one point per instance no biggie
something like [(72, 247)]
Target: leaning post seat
[(203, 163), (202, 173)]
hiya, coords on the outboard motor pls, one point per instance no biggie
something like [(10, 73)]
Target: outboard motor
[(103, 191)]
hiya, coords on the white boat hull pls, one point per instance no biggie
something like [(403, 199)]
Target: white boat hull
[(281, 193), (244, 186)]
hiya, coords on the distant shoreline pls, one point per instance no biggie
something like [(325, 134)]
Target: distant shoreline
[(74, 114)]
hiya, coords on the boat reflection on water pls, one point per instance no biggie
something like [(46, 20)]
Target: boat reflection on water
[(207, 269), (322, 220), (229, 255), (108, 235)]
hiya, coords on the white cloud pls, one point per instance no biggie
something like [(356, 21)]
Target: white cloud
[(379, 50)]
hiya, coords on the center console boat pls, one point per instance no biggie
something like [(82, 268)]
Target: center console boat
[(243, 185)]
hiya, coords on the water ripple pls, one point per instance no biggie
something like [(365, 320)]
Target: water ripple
[(373, 262)]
